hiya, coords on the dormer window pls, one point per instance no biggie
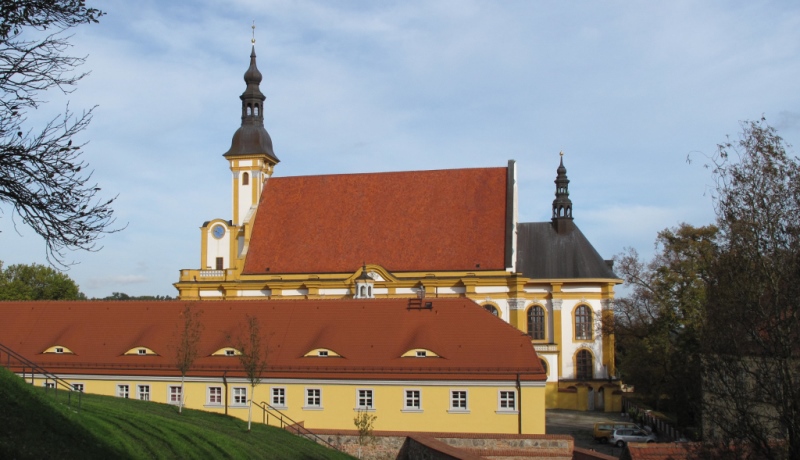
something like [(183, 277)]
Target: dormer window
[(227, 351), (59, 350), (419, 353), (364, 285), (322, 353), (141, 351)]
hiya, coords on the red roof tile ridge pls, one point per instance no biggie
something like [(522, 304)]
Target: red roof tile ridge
[(381, 173)]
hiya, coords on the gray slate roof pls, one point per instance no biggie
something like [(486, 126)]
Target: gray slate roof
[(544, 254)]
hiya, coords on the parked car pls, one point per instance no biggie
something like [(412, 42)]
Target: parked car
[(625, 435), (602, 430)]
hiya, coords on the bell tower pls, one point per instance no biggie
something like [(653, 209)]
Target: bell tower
[(251, 156), (562, 205)]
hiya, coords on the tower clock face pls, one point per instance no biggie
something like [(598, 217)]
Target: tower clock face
[(218, 231)]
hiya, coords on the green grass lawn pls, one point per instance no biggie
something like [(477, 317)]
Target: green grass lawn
[(35, 424)]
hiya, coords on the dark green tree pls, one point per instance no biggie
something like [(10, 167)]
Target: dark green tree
[(42, 177), (658, 325), (36, 282), (751, 345)]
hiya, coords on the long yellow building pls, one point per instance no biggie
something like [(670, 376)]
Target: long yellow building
[(434, 234), (419, 365)]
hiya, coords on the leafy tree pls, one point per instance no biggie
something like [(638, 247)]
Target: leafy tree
[(365, 423), (123, 296), (36, 282), (658, 325), (253, 357), (190, 330), (42, 176), (752, 343)]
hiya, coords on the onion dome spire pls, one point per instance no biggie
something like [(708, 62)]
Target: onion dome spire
[(562, 205), (252, 138)]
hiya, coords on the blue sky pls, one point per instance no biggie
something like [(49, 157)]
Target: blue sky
[(628, 90)]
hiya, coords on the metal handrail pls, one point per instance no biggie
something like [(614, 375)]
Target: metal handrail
[(298, 429), (57, 381)]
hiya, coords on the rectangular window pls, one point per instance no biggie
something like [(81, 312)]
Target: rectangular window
[(214, 396), (142, 351), (144, 392), (219, 263), (123, 391), (59, 350), (412, 401), (313, 398), (279, 397), (458, 400), (77, 387), (239, 396), (49, 385), (507, 401), (175, 394), (364, 400)]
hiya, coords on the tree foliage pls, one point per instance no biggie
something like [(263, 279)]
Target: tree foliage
[(658, 325), (42, 176), (253, 356), (189, 333), (36, 282), (752, 342)]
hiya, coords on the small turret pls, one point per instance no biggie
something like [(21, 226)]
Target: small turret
[(562, 205)]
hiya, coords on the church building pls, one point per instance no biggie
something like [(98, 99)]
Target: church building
[(423, 235)]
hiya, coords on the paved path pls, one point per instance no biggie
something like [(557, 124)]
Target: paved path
[(579, 425)]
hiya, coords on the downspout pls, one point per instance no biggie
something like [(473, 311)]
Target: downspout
[(225, 381), (519, 409)]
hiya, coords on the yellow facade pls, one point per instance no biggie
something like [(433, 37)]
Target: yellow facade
[(339, 402)]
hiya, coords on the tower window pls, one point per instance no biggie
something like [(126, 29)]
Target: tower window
[(245, 179), (219, 263)]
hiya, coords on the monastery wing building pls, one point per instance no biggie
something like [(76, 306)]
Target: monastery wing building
[(418, 235)]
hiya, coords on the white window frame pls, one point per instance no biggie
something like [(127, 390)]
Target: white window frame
[(141, 351), (278, 397), (212, 393), (79, 386), (504, 397), (456, 397), (49, 385), (123, 390), (174, 394), (407, 398), (143, 390), (308, 395), (365, 399), (239, 396)]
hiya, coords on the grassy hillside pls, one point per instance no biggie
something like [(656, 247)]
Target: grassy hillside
[(33, 424)]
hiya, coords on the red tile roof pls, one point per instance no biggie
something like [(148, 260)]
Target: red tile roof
[(370, 335), (404, 221), (672, 451)]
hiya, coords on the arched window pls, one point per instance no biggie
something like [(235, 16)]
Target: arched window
[(491, 309), (257, 109), (583, 323), (249, 110), (536, 322), (583, 365), (245, 179)]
